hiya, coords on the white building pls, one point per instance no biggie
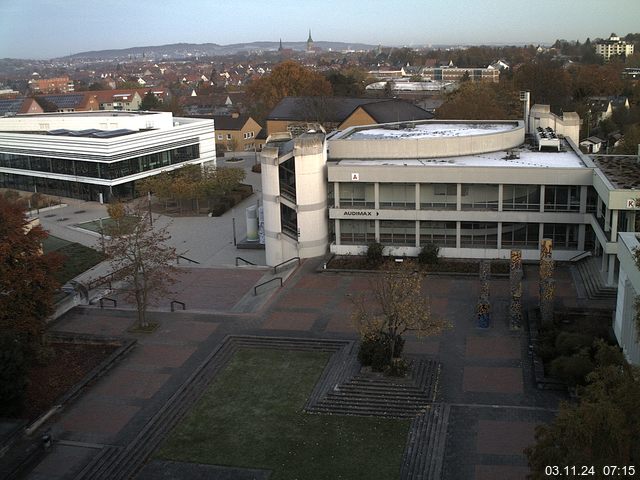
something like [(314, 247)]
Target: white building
[(613, 47), (476, 189), (94, 155), (624, 325)]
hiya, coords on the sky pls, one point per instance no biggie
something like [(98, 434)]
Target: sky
[(42, 29)]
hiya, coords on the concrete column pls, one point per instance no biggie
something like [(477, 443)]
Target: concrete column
[(598, 207), (583, 199), (607, 220), (337, 230), (376, 197), (500, 199), (458, 242), (336, 194), (377, 228), (582, 233), (541, 200), (459, 197), (417, 233), (614, 226), (540, 234), (612, 271), (603, 266), (500, 226), (417, 196)]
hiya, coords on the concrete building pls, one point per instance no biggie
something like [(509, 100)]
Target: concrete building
[(613, 46), (625, 326), (98, 155), (477, 189)]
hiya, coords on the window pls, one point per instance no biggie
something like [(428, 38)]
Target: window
[(564, 236), (562, 198), (357, 232), (479, 235), (289, 221), (479, 197), (357, 195), (398, 232), (398, 195), (521, 197), (438, 196), (520, 235), (442, 234)]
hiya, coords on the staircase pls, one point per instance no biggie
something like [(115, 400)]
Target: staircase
[(375, 394), (424, 454), (594, 285)]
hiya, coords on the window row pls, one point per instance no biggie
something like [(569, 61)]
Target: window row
[(109, 171), (443, 196), (444, 234)]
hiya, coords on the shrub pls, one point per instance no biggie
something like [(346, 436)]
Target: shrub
[(568, 343), (428, 254), (374, 254), (573, 369), (375, 351), (606, 355), (13, 375)]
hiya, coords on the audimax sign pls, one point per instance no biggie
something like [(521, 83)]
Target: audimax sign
[(360, 213)]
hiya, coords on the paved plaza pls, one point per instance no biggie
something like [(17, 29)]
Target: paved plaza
[(486, 374)]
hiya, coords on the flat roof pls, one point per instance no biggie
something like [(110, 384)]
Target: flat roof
[(517, 157), (623, 171), (91, 113), (428, 130)]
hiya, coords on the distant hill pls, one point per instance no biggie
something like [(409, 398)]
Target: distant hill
[(182, 50)]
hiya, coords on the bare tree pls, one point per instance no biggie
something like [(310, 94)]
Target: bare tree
[(398, 306), (139, 255)]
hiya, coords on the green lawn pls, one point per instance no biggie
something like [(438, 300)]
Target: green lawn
[(251, 416), (76, 258)]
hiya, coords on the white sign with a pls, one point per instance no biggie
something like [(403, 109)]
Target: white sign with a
[(631, 203), (355, 177)]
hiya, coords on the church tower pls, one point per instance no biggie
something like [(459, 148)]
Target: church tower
[(309, 42)]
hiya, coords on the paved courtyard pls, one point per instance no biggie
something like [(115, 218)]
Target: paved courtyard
[(486, 374)]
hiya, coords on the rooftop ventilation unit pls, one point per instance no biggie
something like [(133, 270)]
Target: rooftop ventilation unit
[(546, 137)]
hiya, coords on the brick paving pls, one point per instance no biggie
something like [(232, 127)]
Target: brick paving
[(131, 383), (479, 367), (493, 347), (290, 321), (504, 438)]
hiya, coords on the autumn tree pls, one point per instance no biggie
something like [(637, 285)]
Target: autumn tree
[(481, 101), (288, 78), (27, 282), (27, 285), (150, 102), (398, 306), (630, 141), (548, 82), (602, 429), (140, 257)]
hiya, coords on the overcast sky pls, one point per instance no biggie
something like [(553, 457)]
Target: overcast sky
[(53, 28)]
